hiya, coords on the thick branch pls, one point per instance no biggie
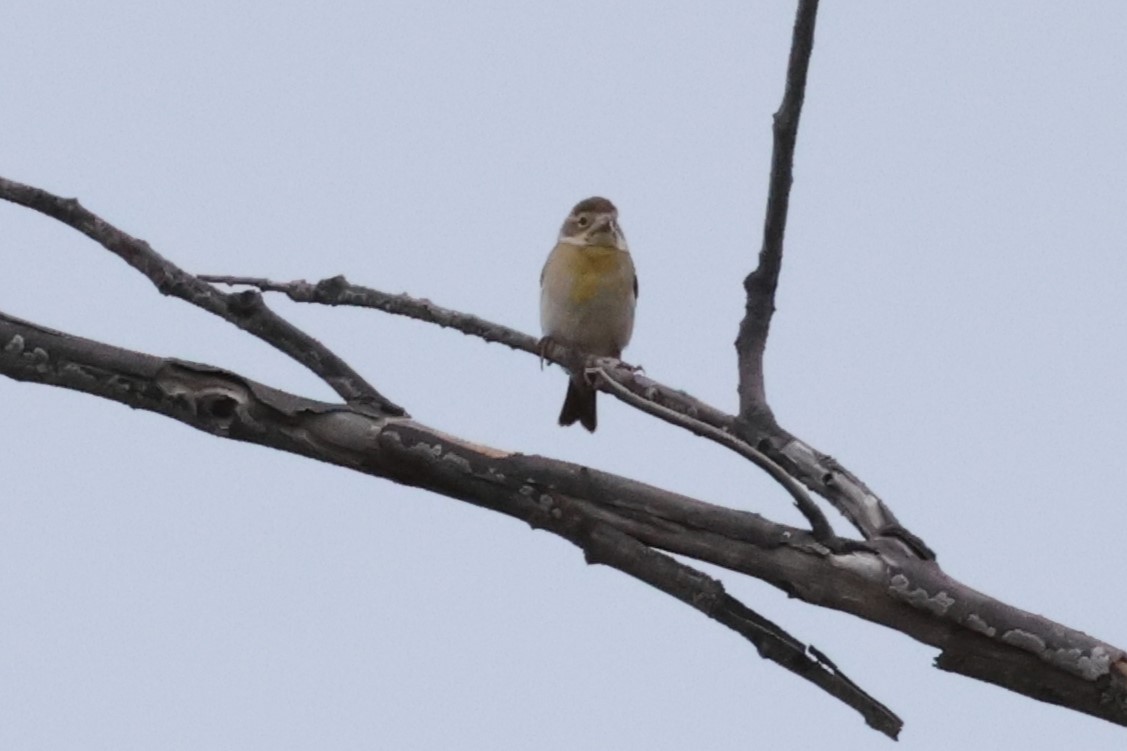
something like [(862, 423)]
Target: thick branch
[(978, 635), (565, 499), (760, 285), (245, 310)]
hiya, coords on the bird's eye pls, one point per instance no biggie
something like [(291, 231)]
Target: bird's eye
[(583, 221)]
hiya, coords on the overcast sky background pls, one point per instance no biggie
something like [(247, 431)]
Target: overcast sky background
[(950, 326)]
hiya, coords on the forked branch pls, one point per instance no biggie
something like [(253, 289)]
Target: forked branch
[(246, 310)]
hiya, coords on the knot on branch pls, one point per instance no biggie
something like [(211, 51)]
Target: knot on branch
[(218, 405), (246, 303), (332, 288)]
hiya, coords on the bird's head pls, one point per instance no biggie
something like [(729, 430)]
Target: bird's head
[(593, 221)]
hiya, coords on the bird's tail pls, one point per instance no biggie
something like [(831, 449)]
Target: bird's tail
[(579, 405)]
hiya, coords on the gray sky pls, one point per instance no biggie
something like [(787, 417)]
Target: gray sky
[(950, 325)]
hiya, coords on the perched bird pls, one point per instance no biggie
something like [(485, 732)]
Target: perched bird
[(587, 293)]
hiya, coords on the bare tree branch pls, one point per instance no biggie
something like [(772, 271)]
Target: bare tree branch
[(540, 491), (605, 544), (761, 284), (247, 311), (978, 635)]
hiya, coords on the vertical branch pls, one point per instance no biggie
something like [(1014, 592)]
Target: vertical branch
[(760, 284)]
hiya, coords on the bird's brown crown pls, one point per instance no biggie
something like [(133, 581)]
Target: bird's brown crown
[(595, 205)]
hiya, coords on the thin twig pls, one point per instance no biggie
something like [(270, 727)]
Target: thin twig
[(819, 525), (339, 291)]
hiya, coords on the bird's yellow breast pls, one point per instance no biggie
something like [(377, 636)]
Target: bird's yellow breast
[(593, 269), (587, 297)]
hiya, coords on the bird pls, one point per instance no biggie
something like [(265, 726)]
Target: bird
[(588, 291)]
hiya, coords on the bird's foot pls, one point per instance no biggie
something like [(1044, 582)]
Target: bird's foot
[(614, 362), (544, 345)]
